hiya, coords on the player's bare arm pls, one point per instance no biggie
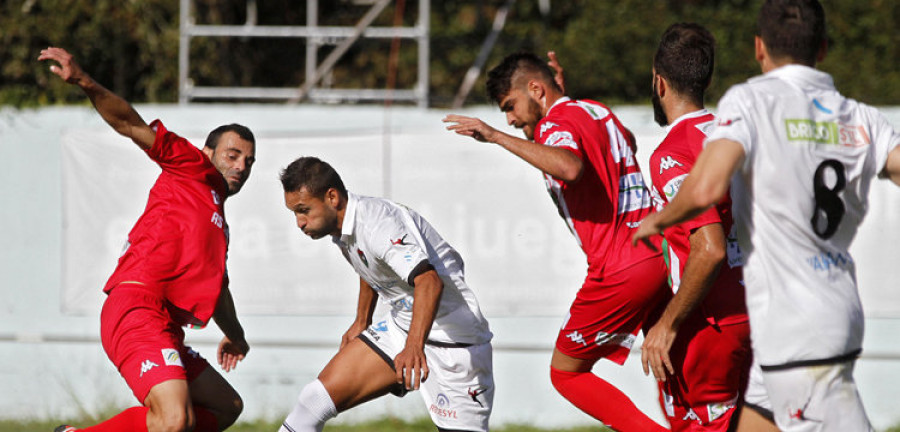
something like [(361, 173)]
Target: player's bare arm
[(233, 346), (117, 112), (410, 364), (557, 162), (365, 308), (706, 185), (708, 252), (892, 167)]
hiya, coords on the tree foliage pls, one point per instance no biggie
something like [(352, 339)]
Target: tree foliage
[(131, 46)]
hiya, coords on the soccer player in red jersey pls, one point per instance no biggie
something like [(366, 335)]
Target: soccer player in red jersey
[(587, 158), (172, 273), (699, 349)]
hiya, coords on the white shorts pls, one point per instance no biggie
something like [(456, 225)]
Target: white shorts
[(809, 398), (459, 391)]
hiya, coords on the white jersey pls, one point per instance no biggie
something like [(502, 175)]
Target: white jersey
[(385, 242), (798, 199)]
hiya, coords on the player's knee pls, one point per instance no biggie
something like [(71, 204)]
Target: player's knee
[(560, 378), (233, 410), (170, 421)]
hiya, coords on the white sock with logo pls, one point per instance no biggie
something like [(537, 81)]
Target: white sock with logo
[(314, 407)]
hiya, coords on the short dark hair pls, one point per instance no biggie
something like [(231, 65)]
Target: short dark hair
[(314, 174), (794, 29), (500, 78), (212, 140), (685, 58)]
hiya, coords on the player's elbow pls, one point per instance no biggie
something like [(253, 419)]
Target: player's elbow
[(570, 170), (704, 195)]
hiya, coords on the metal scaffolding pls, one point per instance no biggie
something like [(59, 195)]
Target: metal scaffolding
[(316, 36)]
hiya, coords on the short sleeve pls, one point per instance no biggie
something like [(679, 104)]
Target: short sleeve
[(176, 154), (397, 245), (732, 121), (555, 133), (669, 169)]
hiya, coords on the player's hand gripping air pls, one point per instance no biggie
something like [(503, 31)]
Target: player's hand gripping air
[(68, 69)]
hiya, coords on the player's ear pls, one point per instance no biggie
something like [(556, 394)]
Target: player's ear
[(536, 89), (760, 49), (660, 85)]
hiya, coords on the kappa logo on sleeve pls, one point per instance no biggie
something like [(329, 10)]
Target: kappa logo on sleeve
[(668, 162), (547, 126)]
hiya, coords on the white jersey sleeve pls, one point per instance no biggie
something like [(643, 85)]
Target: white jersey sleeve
[(398, 245)]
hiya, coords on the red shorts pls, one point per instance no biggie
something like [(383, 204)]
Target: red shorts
[(712, 364), (608, 312), (142, 341)]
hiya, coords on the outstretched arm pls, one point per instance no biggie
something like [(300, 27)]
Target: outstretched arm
[(558, 162), (233, 346), (708, 252), (117, 112), (706, 185)]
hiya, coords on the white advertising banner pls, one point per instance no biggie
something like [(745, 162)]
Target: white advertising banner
[(520, 258)]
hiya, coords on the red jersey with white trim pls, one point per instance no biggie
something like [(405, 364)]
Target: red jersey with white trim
[(610, 199), (669, 166), (179, 244)]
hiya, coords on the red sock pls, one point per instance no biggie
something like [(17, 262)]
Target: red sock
[(132, 419), (204, 420), (602, 401)]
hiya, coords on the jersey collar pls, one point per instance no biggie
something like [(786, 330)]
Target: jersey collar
[(690, 115), (803, 76), (349, 219), (559, 101)]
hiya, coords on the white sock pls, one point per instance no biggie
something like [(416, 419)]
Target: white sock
[(314, 407)]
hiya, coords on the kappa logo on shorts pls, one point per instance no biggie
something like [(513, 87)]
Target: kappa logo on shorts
[(577, 337), (146, 366), (381, 326), (691, 415), (171, 357)]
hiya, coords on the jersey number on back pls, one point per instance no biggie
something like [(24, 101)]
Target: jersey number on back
[(828, 204)]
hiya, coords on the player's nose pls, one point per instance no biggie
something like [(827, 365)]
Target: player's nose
[(510, 119)]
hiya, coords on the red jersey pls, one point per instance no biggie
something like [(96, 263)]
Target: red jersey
[(669, 165), (610, 199), (178, 246)]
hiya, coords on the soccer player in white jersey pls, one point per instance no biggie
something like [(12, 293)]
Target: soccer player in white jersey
[(435, 338), (803, 157)]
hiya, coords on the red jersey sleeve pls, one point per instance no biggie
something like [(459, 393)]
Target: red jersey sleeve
[(559, 133), (668, 169), (177, 155)]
